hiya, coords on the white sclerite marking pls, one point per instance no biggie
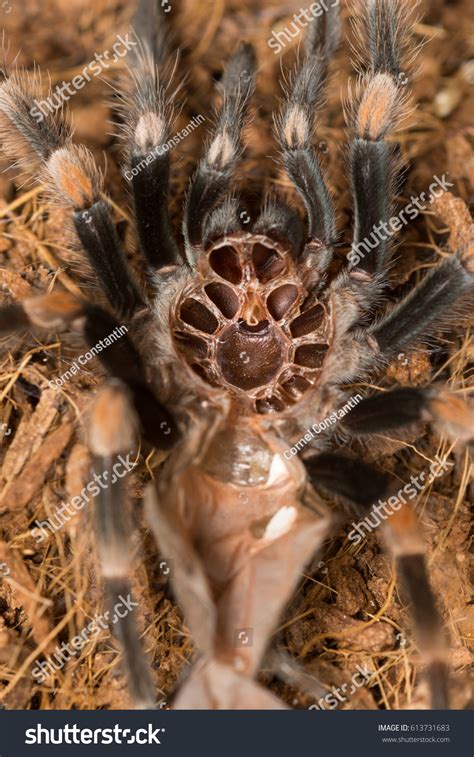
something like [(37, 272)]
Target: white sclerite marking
[(221, 150), (296, 126), (150, 131), (278, 471), (281, 523)]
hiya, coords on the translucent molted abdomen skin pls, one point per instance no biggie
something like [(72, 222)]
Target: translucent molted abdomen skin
[(246, 324)]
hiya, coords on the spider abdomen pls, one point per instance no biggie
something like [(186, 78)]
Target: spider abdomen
[(247, 324)]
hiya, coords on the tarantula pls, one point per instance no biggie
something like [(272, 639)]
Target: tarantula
[(251, 335)]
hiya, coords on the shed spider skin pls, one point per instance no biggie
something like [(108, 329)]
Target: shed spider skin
[(249, 339)]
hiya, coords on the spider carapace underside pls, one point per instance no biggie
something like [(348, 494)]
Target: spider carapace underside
[(247, 324)]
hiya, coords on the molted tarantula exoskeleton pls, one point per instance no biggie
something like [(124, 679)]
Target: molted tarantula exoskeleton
[(250, 337)]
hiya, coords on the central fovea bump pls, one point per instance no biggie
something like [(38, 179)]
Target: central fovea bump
[(251, 356)]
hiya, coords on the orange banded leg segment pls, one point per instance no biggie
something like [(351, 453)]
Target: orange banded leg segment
[(118, 355), (383, 30), (362, 486), (113, 445), (401, 533), (43, 146)]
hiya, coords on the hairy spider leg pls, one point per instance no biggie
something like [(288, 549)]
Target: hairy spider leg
[(148, 114), (120, 359), (111, 430), (362, 485), (214, 172), (44, 146), (295, 126), (374, 111)]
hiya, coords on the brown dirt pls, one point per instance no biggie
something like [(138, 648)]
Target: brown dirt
[(347, 610)]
